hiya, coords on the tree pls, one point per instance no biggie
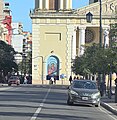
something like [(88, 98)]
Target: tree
[(113, 40), (26, 65), (95, 60), (7, 63)]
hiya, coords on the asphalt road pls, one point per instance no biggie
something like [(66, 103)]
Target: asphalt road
[(45, 103)]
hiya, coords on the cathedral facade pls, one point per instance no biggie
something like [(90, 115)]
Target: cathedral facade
[(59, 32)]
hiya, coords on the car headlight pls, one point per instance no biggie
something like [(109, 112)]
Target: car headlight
[(95, 95), (73, 92)]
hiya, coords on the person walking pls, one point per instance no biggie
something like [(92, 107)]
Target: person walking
[(70, 79), (52, 80), (25, 80)]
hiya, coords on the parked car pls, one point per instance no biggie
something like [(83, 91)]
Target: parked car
[(13, 80), (83, 92)]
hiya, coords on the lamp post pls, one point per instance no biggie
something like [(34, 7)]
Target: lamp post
[(71, 53), (100, 42)]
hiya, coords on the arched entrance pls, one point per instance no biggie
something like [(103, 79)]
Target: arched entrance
[(53, 67)]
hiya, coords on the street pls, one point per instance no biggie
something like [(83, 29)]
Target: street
[(45, 102)]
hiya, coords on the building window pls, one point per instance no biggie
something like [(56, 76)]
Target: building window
[(89, 35), (53, 67)]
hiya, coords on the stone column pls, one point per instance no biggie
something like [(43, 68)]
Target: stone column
[(81, 39), (74, 44), (36, 4), (67, 4), (47, 4), (70, 4), (106, 38), (61, 4), (40, 4)]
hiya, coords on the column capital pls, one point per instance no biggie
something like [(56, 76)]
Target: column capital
[(106, 27), (82, 27)]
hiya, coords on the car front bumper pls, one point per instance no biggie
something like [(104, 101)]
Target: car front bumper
[(84, 100)]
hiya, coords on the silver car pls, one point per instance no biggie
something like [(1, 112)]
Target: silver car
[(13, 80), (83, 92)]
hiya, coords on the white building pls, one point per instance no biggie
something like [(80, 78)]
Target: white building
[(17, 40)]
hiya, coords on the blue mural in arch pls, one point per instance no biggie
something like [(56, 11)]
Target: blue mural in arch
[(53, 67)]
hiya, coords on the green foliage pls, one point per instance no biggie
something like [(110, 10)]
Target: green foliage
[(113, 43), (7, 58), (26, 65), (95, 60)]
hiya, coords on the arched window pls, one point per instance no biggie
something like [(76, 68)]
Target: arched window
[(52, 67), (89, 35)]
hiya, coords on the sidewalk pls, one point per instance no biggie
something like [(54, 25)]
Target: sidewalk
[(109, 104)]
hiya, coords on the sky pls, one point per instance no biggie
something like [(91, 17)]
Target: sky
[(20, 10)]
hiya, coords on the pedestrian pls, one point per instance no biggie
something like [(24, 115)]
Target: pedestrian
[(52, 80), (25, 80), (70, 79), (75, 78)]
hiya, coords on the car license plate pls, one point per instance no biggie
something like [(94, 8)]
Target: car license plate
[(84, 98)]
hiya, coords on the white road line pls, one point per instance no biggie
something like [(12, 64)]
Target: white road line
[(108, 114), (5, 88), (40, 107)]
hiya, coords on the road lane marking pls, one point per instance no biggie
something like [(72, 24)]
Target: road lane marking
[(108, 114), (7, 88), (40, 106)]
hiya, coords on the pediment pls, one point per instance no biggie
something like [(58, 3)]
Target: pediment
[(108, 8)]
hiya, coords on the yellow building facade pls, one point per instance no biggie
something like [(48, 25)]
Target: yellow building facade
[(58, 33)]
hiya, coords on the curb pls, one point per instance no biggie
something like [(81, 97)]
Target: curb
[(109, 108)]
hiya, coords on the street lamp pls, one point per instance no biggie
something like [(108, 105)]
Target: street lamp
[(89, 17)]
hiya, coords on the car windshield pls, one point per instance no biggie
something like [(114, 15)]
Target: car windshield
[(13, 77), (84, 84)]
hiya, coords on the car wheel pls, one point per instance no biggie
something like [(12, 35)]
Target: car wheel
[(69, 102), (97, 105)]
